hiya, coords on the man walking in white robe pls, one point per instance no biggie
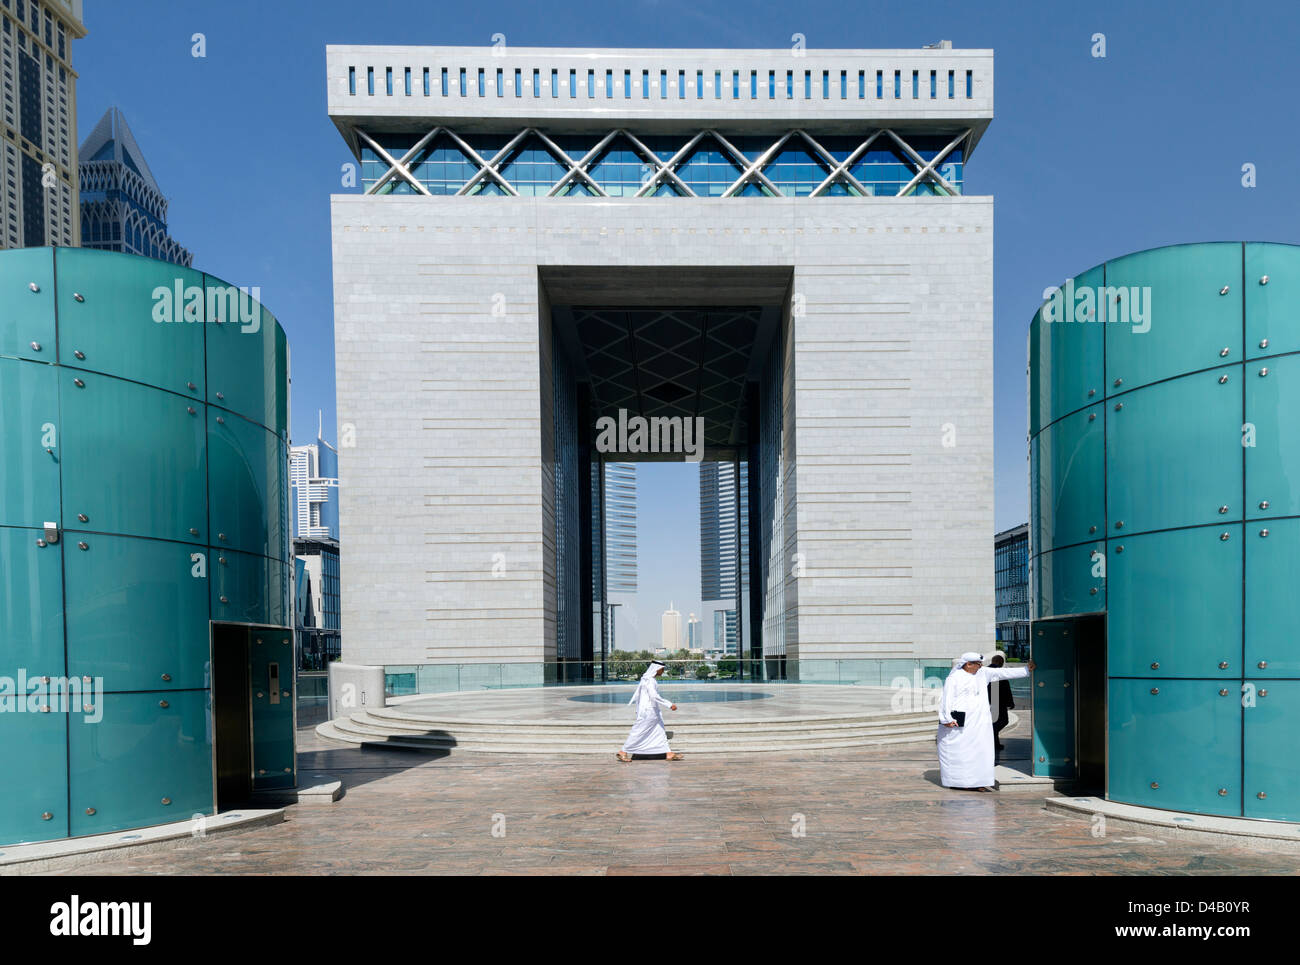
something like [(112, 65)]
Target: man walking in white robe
[(648, 738), (965, 736)]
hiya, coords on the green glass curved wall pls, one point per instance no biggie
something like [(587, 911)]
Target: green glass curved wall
[(144, 416), (1165, 495)]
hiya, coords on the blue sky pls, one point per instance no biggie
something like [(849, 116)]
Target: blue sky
[(1088, 158)]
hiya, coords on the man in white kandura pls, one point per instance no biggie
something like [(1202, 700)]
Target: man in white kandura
[(648, 739), (965, 727)]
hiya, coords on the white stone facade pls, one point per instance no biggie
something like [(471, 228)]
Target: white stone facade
[(439, 357)]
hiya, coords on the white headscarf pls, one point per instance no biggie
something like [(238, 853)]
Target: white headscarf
[(646, 678), (970, 656)]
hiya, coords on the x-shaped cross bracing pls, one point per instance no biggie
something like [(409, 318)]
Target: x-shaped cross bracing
[(662, 171)]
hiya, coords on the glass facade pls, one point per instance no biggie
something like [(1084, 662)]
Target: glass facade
[(620, 527), (1011, 589), (143, 482), (1164, 461), (794, 169), (317, 604)]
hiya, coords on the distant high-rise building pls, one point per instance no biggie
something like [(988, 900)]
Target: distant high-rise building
[(316, 601), (670, 635), (724, 630), (693, 632), (313, 474), (620, 527), (122, 207), (1011, 588), (38, 123), (718, 518)]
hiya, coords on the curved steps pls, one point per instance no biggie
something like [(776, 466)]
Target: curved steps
[(390, 727)]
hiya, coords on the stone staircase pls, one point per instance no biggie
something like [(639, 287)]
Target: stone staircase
[(391, 727)]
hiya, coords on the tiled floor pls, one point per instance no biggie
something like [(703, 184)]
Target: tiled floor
[(870, 811)]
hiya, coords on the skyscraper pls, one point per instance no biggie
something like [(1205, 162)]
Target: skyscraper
[(38, 108), (693, 632), (718, 519), (724, 630), (670, 632), (620, 527), (122, 207), (313, 473)]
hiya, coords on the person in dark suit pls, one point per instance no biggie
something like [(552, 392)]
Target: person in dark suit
[(1000, 701)]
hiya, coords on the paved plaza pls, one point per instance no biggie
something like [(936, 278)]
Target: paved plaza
[(876, 811)]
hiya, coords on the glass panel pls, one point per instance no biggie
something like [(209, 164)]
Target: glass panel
[(27, 316), (1065, 346), (35, 747), (1175, 603), (1272, 781), (708, 170), (167, 751), (247, 473), (1053, 700), (29, 470), (133, 459), (1272, 603), (31, 605), (244, 356), (1273, 306), (1175, 744), (137, 610), (241, 588), (273, 747), (795, 170), (532, 169), (138, 319), (1067, 465), (1069, 581), (1273, 460), (1170, 317), (1173, 453)]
